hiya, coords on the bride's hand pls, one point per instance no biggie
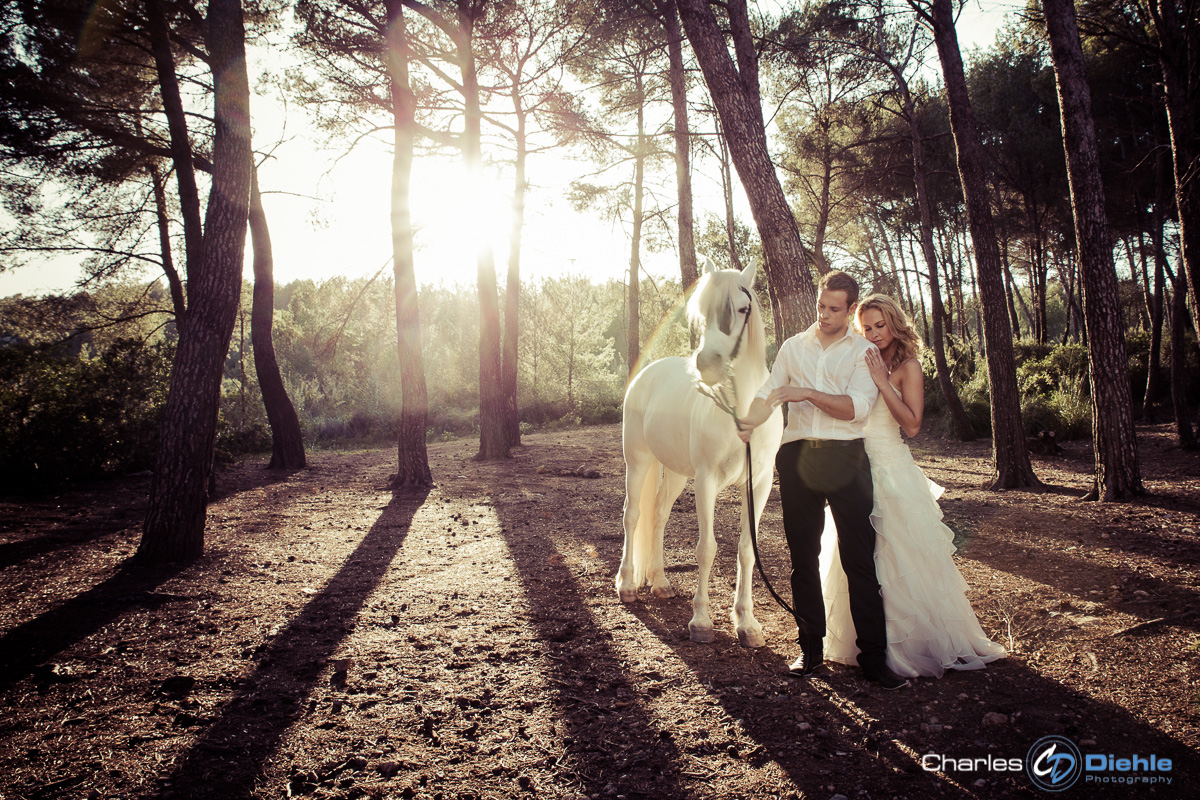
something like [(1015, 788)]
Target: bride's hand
[(879, 370)]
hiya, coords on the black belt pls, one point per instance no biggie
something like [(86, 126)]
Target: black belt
[(830, 442)]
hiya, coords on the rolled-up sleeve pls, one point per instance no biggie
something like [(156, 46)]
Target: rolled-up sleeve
[(862, 390), (779, 372)]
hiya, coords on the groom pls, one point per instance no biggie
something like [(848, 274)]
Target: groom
[(822, 374)]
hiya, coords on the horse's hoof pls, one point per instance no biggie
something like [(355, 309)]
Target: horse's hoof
[(627, 595), (751, 639), (663, 592), (701, 635)]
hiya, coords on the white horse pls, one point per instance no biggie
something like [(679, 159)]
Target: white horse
[(673, 430)]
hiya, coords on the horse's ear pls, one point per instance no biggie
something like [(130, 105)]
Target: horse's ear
[(748, 271)]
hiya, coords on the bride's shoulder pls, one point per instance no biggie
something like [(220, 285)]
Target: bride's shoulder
[(910, 366)]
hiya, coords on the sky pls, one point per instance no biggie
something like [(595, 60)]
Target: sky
[(345, 231)]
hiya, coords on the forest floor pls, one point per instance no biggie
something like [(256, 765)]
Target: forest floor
[(336, 641)]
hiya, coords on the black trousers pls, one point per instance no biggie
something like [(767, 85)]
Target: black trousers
[(808, 477)]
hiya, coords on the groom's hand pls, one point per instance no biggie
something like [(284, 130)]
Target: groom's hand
[(788, 394)]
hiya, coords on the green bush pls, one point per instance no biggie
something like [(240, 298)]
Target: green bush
[(65, 418), (248, 439)]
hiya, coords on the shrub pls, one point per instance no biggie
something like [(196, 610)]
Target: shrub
[(66, 418), (232, 442), (599, 412)]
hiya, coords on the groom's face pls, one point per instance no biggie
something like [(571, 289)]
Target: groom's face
[(833, 312)]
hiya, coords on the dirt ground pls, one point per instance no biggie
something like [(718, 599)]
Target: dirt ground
[(338, 642)]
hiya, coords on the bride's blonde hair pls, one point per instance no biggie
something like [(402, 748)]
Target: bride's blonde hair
[(908, 344)]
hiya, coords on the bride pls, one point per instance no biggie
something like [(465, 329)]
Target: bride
[(931, 626)]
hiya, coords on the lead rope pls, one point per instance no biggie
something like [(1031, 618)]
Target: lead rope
[(725, 405)]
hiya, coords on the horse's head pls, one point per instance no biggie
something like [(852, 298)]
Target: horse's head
[(724, 312)]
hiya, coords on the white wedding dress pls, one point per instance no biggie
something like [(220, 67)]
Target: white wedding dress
[(931, 626)]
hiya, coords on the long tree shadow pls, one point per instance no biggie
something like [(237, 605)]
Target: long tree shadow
[(838, 724), (808, 729), (613, 746), (819, 732), (26, 649), (109, 507), (96, 513), (846, 726), (227, 760), (1046, 561)]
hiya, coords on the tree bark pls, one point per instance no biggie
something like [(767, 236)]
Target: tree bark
[(512, 286), (412, 458), (1157, 234), (1154, 361), (287, 443), (1114, 440), (688, 271), (174, 526), (963, 429), (1179, 314), (493, 442), (735, 94), (162, 219), (633, 332), (181, 144), (1178, 34), (1012, 464)]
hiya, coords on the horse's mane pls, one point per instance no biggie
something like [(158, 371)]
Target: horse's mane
[(724, 288)]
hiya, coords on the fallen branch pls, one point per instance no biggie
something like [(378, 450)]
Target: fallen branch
[(1160, 621), (578, 472)]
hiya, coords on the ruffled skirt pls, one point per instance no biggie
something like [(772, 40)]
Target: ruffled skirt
[(931, 626)]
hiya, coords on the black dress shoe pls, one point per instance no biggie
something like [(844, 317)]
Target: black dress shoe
[(810, 658), (885, 677)]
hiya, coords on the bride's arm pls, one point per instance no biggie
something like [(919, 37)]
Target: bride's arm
[(907, 407)]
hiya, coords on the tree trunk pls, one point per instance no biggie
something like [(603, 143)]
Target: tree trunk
[(1117, 474), (688, 270), (958, 415), (412, 458), (493, 442), (730, 216), (181, 144), (1154, 361), (512, 286), (1012, 464), (1179, 314), (174, 526), (735, 94), (287, 443), (633, 333), (1154, 365), (162, 218), (1177, 32)]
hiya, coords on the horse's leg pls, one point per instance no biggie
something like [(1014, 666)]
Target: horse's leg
[(701, 628), (668, 492), (748, 629), (641, 477)]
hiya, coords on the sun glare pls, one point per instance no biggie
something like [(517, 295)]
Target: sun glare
[(455, 215)]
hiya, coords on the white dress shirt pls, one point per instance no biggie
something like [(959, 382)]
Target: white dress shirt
[(839, 369)]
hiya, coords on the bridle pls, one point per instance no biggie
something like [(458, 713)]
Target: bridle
[(737, 344)]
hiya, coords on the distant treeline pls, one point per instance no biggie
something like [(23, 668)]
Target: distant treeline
[(83, 378)]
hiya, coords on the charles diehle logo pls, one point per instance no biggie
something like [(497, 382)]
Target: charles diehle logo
[(1054, 763)]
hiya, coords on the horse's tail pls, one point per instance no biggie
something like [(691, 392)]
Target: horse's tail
[(642, 545)]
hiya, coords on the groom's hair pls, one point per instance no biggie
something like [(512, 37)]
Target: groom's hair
[(838, 281)]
